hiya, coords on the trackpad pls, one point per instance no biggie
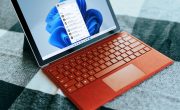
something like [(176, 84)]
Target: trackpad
[(123, 77)]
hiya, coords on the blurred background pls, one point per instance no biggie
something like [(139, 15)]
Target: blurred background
[(163, 10)]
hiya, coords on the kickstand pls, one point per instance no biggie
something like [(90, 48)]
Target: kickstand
[(27, 52)]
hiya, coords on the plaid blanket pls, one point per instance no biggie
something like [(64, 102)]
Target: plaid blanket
[(24, 86)]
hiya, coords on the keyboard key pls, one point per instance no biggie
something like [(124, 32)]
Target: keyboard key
[(129, 52), (107, 53), (125, 35), (79, 85), (79, 78), (85, 82), (124, 55), (92, 72), (60, 76), (70, 83), (71, 76), (78, 73), (51, 70), (122, 46), (108, 63), (112, 56), (127, 48), (90, 67), (66, 73), (85, 75), (142, 51), (138, 48), (84, 59), (126, 43), (112, 51), (79, 67), (89, 53), (96, 64), (117, 53), (119, 58), (115, 40), (60, 66), (90, 56), (85, 64), (116, 43), (71, 89), (132, 57), (106, 59), (137, 54), (64, 80), (103, 66), (79, 61), (96, 59), (122, 51), (66, 63), (91, 78), (132, 40), (72, 60), (147, 49), (99, 47), (78, 57), (114, 60), (54, 73), (83, 55), (72, 70), (134, 44), (101, 56), (121, 41), (97, 69), (106, 48), (84, 70), (73, 64), (101, 61), (96, 53), (111, 46), (105, 45), (117, 48), (101, 51), (90, 61), (119, 38), (127, 59), (94, 50), (127, 38), (110, 42)]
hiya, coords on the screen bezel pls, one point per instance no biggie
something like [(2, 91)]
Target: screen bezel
[(33, 45)]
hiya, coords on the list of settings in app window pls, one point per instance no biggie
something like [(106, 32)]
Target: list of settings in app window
[(73, 20)]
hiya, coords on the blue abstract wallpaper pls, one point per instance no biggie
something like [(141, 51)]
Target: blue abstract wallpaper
[(58, 35)]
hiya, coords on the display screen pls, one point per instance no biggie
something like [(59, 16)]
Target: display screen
[(60, 25)]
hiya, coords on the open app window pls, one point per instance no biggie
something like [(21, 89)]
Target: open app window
[(70, 22)]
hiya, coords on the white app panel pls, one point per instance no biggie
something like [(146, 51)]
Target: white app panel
[(73, 20)]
